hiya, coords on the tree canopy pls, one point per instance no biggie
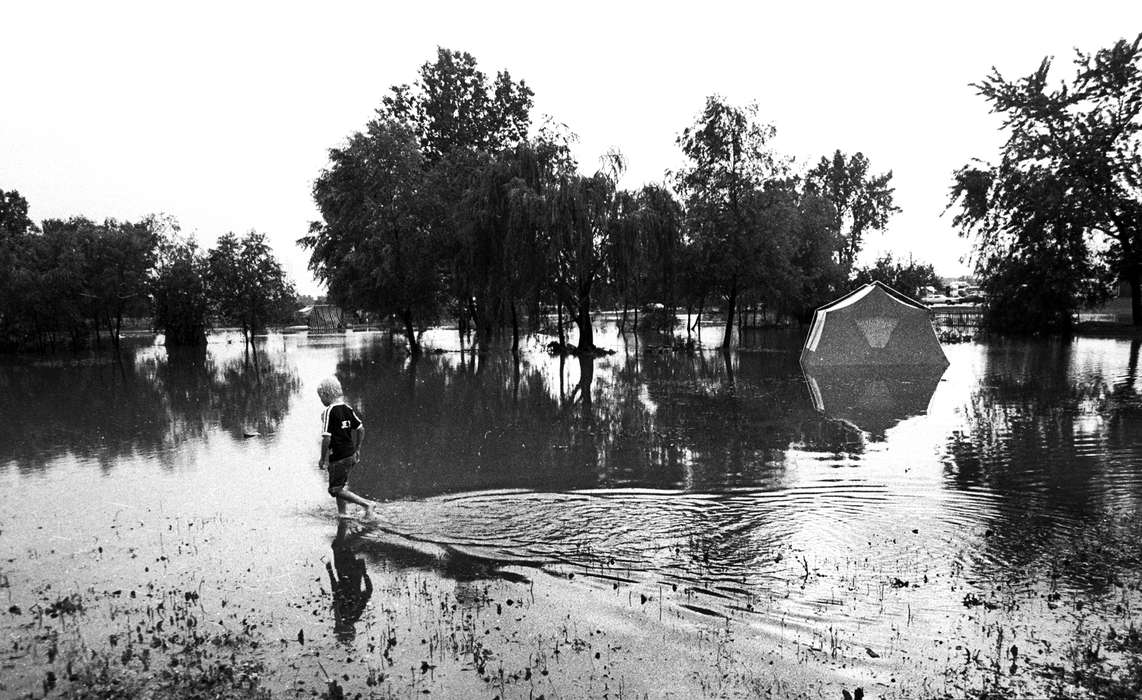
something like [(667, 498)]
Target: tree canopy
[(1059, 217), (861, 201), (71, 279), (453, 107), (445, 203), (247, 284), (910, 279), (375, 247)]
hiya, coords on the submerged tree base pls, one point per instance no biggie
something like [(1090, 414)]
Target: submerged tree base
[(557, 348)]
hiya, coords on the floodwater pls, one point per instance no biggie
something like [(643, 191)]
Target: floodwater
[(912, 528)]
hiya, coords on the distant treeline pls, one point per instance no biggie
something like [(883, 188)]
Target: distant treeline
[(450, 205), (70, 283)]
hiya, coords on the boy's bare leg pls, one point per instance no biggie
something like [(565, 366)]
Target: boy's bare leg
[(346, 495)]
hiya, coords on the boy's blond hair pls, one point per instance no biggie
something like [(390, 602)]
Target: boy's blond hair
[(329, 389)]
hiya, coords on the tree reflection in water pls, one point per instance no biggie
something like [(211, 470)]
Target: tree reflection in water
[(461, 422), (147, 402), (1056, 439)]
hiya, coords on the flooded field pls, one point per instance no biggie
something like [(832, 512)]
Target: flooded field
[(653, 522)]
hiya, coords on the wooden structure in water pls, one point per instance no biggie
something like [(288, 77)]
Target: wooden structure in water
[(325, 318)]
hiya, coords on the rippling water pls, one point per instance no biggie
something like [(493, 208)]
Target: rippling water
[(802, 506)]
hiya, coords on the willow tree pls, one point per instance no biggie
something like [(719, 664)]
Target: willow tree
[(580, 212), (659, 219), (503, 214), (626, 255)]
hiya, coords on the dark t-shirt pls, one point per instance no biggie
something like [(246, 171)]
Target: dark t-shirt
[(338, 422)]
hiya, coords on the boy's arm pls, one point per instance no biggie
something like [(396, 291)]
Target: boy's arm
[(358, 437), (324, 451)]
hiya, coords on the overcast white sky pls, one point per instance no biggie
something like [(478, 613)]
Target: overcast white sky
[(221, 114)]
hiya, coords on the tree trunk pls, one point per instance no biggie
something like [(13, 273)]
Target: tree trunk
[(731, 307), (586, 332), (515, 378), (472, 316), (1132, 363), (623, 320), (515, 330), (562, 368), (118, 330), (586, 378), (562, 339), (1134, 277), (410, 332), (583, 320), (486, 321)]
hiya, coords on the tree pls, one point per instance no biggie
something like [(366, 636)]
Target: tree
[(910, 279), (504, 231), (1061, 213), (375, 247), (462, 121), (861, 202), (453, 107), (626, 255), (117, 271), (178, 290), (817, 274), (16, 230), (660, 221), (73, 277), (580, 213), (723, 186), (87, 275), (246, 284)]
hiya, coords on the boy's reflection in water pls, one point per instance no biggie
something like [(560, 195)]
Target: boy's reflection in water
[(351, 585)]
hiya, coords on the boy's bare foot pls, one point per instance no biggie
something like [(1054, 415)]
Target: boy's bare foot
[(369, 512)]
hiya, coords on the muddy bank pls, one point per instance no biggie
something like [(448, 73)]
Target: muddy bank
[(146, 603)]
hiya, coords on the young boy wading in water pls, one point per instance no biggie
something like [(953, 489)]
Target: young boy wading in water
[(341, 435)]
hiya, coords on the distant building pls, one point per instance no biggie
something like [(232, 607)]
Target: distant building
[(323, 317)]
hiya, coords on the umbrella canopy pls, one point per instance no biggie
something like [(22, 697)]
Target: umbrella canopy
[(874, 325)]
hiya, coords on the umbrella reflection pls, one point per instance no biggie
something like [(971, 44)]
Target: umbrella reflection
[(873, 399)]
